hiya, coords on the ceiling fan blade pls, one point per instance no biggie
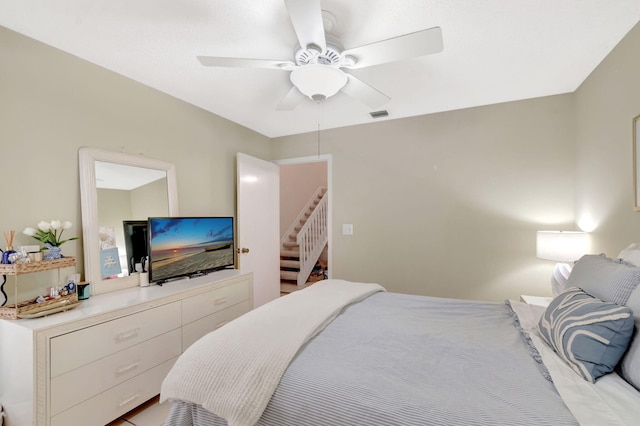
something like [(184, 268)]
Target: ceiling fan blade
[(361, 91), (407, 46), (291, 100), (306, 17), (214, 61)]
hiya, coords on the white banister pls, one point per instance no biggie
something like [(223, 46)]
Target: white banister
[(312, 238), (299, 219)]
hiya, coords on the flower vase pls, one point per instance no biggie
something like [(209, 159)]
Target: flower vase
[(54, 253)]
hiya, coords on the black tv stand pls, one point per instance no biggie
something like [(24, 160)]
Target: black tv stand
[(169, 279), (199, 274)]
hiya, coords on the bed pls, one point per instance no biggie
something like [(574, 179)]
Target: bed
[(344, 353)]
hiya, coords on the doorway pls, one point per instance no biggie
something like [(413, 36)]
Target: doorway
[(299, 179)]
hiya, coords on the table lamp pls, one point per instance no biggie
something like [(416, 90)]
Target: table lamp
[(562, 247)]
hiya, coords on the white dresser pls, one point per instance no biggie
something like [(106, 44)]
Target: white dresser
[(90, 365)]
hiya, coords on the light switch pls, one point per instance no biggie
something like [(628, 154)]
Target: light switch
[(347, 229)]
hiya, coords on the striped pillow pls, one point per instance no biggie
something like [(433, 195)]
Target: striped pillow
[(607, 279), (588, 334)]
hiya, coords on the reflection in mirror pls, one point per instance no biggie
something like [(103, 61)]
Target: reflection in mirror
[(127, 194), (117, 188)]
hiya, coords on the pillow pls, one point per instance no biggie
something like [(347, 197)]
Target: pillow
[(607, 279), (630, 364), (629, 367), (631, 254), (588, 334)]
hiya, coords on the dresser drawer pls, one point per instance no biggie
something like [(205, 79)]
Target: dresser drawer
[(84, 346), (109, 405), (205, 304), (78, 385), (196, 329)]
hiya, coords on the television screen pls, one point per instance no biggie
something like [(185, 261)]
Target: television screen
[(188, 246), (136, 243)]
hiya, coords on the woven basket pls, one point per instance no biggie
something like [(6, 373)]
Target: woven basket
[(29, 306), (45, 265)]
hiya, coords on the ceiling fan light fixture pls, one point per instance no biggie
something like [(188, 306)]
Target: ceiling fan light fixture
[(318, 81)]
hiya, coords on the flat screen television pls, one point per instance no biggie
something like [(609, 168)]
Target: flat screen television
[(136, 243), (189, 246)]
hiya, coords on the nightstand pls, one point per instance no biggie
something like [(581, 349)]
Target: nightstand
[(536, 300)]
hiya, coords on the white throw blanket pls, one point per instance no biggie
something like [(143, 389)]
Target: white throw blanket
[(233, 371)]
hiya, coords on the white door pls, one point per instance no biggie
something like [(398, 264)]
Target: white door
[(259, 225)]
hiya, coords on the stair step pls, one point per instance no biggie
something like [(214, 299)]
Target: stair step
[(290, 253), (287, 287), (288, 275), (294, 264)]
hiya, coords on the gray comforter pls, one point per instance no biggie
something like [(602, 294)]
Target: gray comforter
[(395, 359)]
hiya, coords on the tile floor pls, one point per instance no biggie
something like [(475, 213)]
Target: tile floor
[(150, 413)]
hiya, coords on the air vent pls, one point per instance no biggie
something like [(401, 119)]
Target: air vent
[(379, 114)]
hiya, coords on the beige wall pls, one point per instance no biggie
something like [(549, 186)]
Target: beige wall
[(605, 106), (448, 204), (149, 200), (52, 103)]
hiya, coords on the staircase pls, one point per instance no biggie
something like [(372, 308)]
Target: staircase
[(302, 244)]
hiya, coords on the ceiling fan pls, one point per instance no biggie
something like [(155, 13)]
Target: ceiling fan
[(317, 70)]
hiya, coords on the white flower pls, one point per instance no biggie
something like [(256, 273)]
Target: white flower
[(29, 231), (50, 233)]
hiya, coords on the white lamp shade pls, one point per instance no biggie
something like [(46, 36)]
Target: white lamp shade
[(561, 246), (317, 80)]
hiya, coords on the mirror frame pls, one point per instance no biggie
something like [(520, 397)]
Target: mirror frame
[(636, 162), (87, 157)]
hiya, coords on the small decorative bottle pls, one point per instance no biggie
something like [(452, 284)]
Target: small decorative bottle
[(8, 237), (6, 253)]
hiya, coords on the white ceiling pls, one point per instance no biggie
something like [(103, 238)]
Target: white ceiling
[(494, 50)]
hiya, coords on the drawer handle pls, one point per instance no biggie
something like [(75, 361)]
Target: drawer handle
[(125, 335), (220, 301), (128, 368), (128, 400), (220, 325)]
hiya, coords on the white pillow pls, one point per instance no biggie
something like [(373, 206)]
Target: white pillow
[(610, 280), (630, 365), (631, 254)]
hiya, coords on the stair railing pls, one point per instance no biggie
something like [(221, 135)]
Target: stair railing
[(313, 237), (300, 218)]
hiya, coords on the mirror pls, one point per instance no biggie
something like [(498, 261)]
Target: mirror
[(114, 187)]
